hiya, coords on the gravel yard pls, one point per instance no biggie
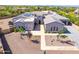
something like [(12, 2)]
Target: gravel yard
[(51, 40)]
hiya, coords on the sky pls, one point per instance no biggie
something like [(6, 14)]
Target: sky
[(39, 2)]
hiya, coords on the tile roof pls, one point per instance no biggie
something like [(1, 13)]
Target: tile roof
[(29, 17), (49, 19), (25, 17)]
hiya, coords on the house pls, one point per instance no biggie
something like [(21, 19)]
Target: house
[(52, 21), (25, 20), (52, 25)]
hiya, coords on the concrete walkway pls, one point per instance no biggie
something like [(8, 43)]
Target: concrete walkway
[(43, 44)]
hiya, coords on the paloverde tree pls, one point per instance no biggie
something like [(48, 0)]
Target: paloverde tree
[(63, 36)]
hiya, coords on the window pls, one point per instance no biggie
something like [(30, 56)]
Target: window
[(51, 28), (55, 28)]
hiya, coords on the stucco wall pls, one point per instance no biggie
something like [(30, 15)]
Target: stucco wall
[(17, 24), (26, 25), (29, 25)]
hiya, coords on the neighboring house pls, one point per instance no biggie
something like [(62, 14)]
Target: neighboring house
[(25, 20), (76, 11), (52, 25)]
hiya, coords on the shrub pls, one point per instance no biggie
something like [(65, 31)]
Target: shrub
[(63, 36)]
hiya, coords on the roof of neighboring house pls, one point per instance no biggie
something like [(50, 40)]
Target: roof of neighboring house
[(25, 17), (49, 19), (77, 11), (39, 13)]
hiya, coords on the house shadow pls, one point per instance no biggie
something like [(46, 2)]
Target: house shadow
[(66, 31), (36, 27), (6, 47)]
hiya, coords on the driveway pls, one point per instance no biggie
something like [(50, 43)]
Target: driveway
[(74, 34)]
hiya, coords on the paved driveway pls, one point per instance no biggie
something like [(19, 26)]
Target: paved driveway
[(74, 34)]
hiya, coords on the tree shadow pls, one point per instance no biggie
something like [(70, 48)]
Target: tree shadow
[(35, 41)]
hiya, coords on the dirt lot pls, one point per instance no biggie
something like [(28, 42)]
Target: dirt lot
[(23, 45), (51, 40), (4, 23)]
